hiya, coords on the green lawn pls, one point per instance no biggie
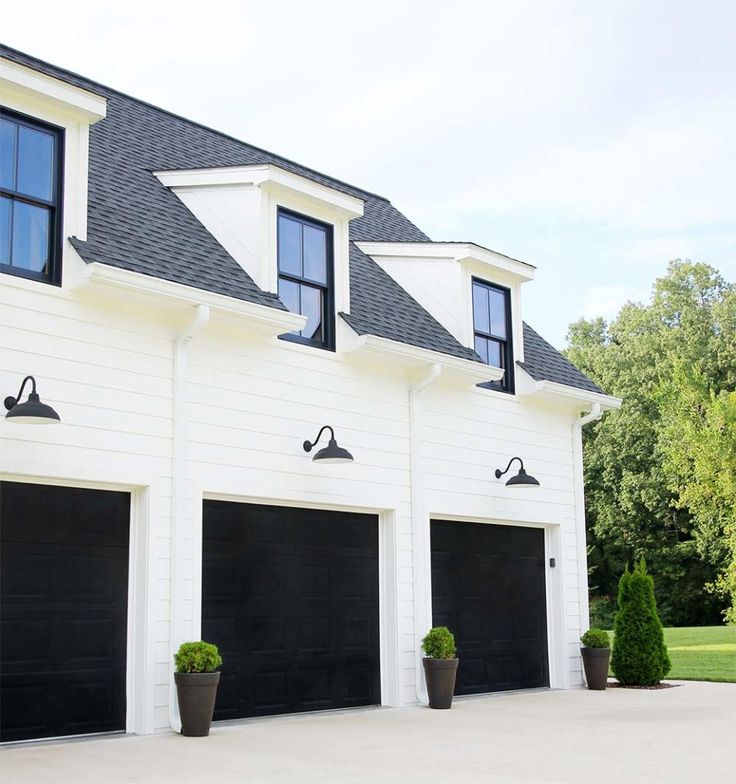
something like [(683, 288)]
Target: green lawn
[(702, 653)]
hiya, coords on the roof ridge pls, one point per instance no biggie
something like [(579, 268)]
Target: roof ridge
[(6, 48)]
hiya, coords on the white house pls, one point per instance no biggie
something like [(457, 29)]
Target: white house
[(194, 309)]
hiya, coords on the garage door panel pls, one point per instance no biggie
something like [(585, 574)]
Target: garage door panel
[(63, 610), (306, 605), (488, 587)]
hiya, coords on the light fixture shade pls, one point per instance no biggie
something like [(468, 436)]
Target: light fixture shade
[(522, 479), (333, 453), (32, 412)]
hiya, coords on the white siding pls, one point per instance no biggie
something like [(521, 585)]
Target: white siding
[(106, 366)]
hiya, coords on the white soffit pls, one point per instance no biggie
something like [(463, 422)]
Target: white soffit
[(14, 77), (267, 176), (466, 253), (559, 393)]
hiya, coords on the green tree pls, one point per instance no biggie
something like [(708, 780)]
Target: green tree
[(640, 503), (639, 656)]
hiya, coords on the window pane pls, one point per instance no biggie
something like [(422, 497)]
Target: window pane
[(312, 308), (289, 294), (30, 236), (315, 254), (481, 348), (8, 131), (290, 245), (35, 163), (6, 208), (494, 353), (481, 319), (498, 313)]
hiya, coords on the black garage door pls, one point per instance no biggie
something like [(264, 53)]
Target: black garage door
[(63, 610), (488, 588), (291, 598)]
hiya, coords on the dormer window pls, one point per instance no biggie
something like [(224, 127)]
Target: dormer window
[(30, 198), (305, 266), (492, 330)]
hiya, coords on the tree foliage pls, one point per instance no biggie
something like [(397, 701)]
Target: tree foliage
[(661, 471), (639, 655)]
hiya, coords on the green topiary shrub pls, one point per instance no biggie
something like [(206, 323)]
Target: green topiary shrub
[(439, 643), (596, 638), (197, 657), (639, 655)]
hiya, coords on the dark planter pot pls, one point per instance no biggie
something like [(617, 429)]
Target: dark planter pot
[(595, 661), (196, 692), (440, 675)]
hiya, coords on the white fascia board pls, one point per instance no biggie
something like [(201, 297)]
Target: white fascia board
[(86, 104), (414, 356), (270, 319), (551, 389), (463, 252), (270, 178)]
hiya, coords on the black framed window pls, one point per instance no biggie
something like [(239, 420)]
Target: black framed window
[(30, 198), (492, 330), (306, 277)]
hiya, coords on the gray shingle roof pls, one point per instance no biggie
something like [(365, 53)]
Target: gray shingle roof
[(136, 223), (543, 362), (390, 312)]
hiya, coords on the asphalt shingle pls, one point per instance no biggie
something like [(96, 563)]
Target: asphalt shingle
[(136, 223), (543, 362)]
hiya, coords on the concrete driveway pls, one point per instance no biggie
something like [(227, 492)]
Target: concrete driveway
[(684, 734)]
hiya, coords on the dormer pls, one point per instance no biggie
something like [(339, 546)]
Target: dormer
[(44, 151), (474, 292), (289, 233)]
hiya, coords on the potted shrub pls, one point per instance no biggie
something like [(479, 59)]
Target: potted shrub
[(196, 679), (596, 653), (440, 666)]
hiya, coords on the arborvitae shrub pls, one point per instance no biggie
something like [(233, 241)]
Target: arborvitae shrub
[(639, 655)]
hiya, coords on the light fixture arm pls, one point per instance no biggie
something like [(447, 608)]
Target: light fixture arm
[(500, 473), (11, 402), (308, 446)]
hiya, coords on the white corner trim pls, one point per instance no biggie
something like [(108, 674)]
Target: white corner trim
[(267, 176), (596, 412), (179, 459), (420, 530), (91, 106), (553, 389), (114, 277), (461, 252), (414, 356)]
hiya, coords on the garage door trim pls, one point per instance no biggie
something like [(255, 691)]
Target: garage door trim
[(553, 576), (388, 617), (138, 676)]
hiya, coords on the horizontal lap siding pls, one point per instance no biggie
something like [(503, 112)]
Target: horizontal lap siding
[(109, 375), (466, 436), (251, 402)]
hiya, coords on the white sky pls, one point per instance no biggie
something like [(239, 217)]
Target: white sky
[(596, 140)]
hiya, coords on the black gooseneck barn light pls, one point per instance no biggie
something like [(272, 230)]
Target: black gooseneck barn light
[(332, 453), (33, 411), (522, 479)]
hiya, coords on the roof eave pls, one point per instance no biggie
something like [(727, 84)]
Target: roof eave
[(262, 318)]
